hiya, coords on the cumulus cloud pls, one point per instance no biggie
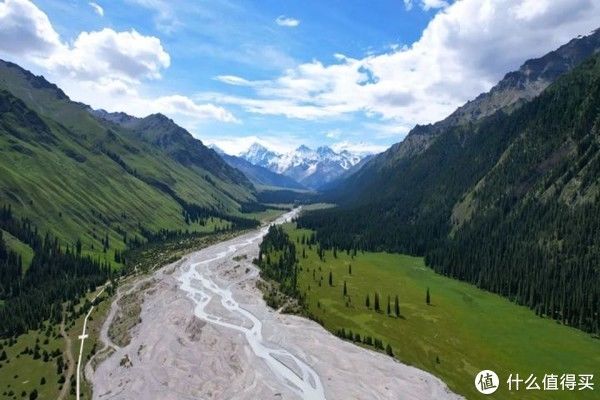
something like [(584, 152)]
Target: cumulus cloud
[(127, 56), (102, 68), (289, 22), (177, 104), (97, 8), (464, 50), (26, 30)]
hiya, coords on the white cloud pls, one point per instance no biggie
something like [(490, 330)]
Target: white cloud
[(234, 80), (408, 4), (165, 17), (97, 8), (289, 22), (26, 30), (177, 104), (333, 133), (463, 51), (238, 145), (433, 4), (103, 68), (127, 56), (358, 147)]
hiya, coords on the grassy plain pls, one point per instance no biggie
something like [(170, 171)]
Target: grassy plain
[(463, 330)]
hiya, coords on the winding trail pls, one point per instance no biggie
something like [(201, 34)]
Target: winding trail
[(82, 337)]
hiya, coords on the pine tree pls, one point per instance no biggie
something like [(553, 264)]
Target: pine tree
[(330, 279), (368, 301), (389, 307), (388, 350), (345, 289), (376, 304), (396, 306), (428, 297)]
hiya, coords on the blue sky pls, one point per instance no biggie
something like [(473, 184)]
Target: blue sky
[(350, 74)]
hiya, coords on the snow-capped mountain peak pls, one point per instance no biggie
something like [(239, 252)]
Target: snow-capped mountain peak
[(310, 167), (258, 154)]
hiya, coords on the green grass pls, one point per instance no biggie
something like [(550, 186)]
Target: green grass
[(19, 247), (23, 373), (269, 215), (467, 328), (317, 206), (68, 185)]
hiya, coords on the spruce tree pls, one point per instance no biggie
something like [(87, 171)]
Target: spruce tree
[(345, 289), (330, 279), (388, 350), (376, 304), (427, 297), (389, 307), (396, 306), (368, 301)]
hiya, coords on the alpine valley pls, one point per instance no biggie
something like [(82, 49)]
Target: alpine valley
[(136, 262)]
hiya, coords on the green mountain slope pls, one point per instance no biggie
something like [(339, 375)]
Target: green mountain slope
[(509, 202), (81, 176), (515, 89)]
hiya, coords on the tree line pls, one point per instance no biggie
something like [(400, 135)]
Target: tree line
[(509, 203), (57, 274)]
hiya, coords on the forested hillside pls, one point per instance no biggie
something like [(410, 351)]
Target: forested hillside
[(515, 89), (509, 202), (79, 188), (79, 175)]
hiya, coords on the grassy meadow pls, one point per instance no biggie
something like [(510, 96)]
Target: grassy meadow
[(463, 330)]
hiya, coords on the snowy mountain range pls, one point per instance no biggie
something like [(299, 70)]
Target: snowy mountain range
[(311, 168)]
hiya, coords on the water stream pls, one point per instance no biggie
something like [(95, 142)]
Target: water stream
[(196, 282)]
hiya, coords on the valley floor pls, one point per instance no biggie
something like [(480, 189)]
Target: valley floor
[(205, 332), (462, 331)]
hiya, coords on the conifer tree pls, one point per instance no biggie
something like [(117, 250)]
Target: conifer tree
[(427, 297), (388, 350)]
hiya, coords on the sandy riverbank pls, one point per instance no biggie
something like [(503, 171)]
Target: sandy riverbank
[(206, 333)]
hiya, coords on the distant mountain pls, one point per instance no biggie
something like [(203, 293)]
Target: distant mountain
[(258, 175), (504, 193), (312, 168)]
